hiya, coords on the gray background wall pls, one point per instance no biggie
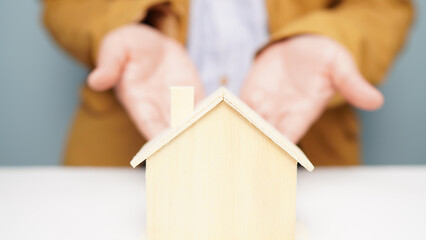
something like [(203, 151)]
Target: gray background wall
[(396, 134), (39, 91)]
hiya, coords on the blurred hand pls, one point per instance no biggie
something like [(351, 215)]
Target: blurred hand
[(291, 82), (141, 64)]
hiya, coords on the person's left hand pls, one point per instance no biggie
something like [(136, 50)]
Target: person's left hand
[(291, 82)]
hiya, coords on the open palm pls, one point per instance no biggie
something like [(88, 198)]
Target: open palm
[(141, 64), (292, 81)]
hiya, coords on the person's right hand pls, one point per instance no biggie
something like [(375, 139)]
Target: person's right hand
[(141, 64)]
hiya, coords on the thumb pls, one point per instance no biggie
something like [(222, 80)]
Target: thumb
[(354, 88), (111, 59)]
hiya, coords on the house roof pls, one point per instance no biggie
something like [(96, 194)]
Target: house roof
[(223, 95)]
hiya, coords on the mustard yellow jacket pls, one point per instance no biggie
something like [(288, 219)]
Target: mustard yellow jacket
[(102, 133)]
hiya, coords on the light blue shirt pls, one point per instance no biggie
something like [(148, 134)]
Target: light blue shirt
[(224, 36)]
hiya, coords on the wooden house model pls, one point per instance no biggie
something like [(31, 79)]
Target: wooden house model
[(220, 172)]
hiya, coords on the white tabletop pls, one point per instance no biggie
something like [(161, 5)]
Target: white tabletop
[(109, 203)]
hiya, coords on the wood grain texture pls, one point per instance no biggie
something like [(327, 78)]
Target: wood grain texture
[(221, 179)]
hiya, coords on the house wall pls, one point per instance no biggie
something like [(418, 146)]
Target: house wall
[(221, 179)]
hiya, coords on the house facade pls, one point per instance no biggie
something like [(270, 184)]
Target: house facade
[(221, 177)]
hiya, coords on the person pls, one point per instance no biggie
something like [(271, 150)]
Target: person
[(301, 65)]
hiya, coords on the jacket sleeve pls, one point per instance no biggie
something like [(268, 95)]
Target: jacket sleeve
[(79, 25), (372, 30)]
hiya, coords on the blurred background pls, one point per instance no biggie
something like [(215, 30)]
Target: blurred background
[(39, 87)]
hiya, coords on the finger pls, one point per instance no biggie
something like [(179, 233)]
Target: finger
[(354, 88), (152, 129), (259, 101), (293, 127), (295, 122), (148, 119), (182, 71), (111, 60)]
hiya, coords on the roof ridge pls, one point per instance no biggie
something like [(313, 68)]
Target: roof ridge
[(223, 94)]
